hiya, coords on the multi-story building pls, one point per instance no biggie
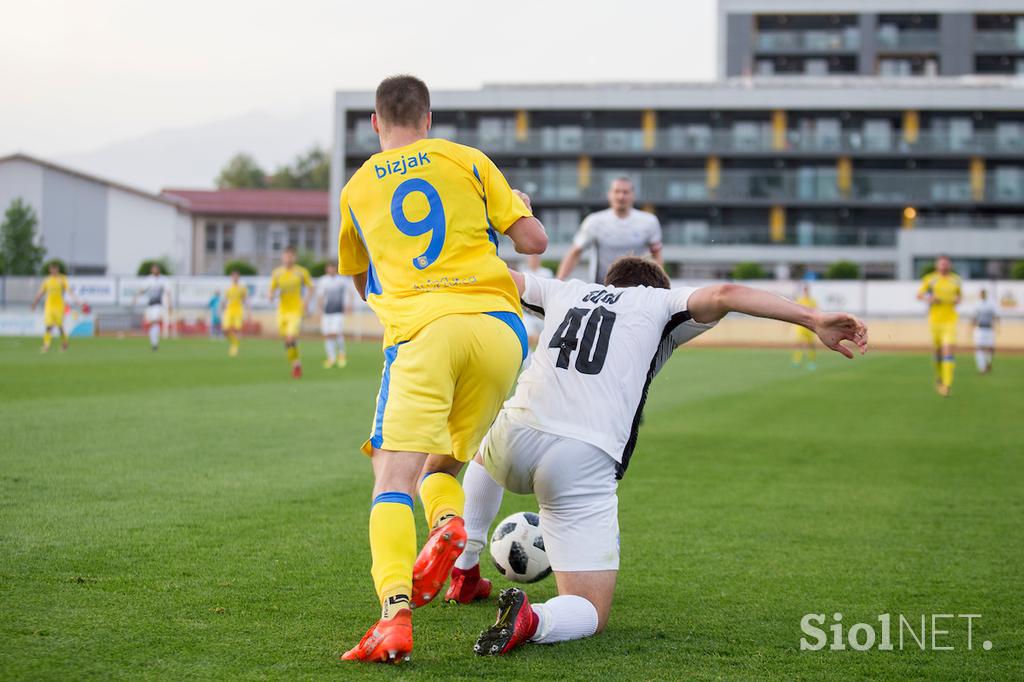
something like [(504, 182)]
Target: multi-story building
[(794, 167), (253, 225)]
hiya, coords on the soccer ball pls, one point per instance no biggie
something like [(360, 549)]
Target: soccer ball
[(517, 548)]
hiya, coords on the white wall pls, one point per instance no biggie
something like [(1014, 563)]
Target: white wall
[(140, 228), (22, 179)]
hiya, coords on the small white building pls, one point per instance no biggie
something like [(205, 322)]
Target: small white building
[(97, 226)]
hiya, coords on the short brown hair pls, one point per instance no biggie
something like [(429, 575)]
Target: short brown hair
[(633, 271), (402, 101)]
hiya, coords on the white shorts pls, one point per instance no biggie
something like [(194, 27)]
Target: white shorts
[(332, 324), (984, 338), (154, 313), (575, 487)]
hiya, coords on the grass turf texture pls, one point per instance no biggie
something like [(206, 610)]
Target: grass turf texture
[(185, 515)]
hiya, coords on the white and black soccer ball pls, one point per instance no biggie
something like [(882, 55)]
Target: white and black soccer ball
[(517, 548)]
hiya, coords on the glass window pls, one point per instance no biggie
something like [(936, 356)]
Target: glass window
[(293, 236), (211, 237), (228, 238), (260, 232), (878, 134), (311, 240), (277, 240)]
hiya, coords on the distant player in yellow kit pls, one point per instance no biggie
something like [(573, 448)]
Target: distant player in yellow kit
[(235, 298), (419, 236), (294, 286), (941, 290), (55, 288), (805, 338)]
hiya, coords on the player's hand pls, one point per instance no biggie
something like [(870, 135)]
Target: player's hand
[(833, 328), (525, 197)]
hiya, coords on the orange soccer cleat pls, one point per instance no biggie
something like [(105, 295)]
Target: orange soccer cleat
[(436, 560), (297, 371), (388, 641), (467, 586), (516, 624)]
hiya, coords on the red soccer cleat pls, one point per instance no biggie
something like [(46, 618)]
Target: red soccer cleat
[(436, 560), (516, 624), (388, 641), (467, 586), (297, 371)]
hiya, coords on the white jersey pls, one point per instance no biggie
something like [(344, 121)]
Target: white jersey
[(155, 290), (597, 354), (333, 288), (609, 237)]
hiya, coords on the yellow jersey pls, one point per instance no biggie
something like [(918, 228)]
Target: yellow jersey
[(945, 293), (235, 297), (288, 282), (422, 222), (55, 286), (807, 301)]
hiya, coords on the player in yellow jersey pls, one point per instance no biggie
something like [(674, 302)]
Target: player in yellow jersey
[(234, 309), (55, 288), (419, 235), (293, 286), (941, 290), (805, 338)]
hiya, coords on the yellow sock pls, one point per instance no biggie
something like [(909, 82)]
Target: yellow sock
[(948, 365), (232, 338), (442, 496), (293, 353), (812, 355), (47, 337), (798, 355), (393, 548)]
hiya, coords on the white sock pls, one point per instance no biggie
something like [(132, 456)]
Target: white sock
[(154, 335), (340, 343), (988, 359), (565, 617), (483, 497), (329, 346), (980, 360)]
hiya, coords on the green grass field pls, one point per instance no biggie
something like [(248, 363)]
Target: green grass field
[(181, 515)]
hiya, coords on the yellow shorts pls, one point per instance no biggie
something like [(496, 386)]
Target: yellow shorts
[(804, 335), (943, 333), (442, 389), (288, 323), (53, 317), (233, 319)]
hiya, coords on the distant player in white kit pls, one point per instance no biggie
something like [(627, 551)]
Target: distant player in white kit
[(619, 230), (157, 292), (984, 322), (568, 432), (333, 295), (534, 322)]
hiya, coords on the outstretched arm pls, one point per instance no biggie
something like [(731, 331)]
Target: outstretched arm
[(527, 233), (709, 304), (520, 281)]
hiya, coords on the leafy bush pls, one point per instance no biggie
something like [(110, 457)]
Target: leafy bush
[(749, 271), (318, 269), (843, 269), (144, 266), (244, 267), (61, 265), (1017, 270)]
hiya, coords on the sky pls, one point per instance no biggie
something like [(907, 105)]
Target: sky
[(80, 75)]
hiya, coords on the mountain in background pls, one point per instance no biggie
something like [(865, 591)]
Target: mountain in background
[(193, 156)]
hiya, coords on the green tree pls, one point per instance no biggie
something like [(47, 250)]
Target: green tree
[(307, 260), (843, 269), (1017, 270), (244, 267), (19, 253), (311, 170), (61, 265), (749, 271), (241, 171), (146, 265)]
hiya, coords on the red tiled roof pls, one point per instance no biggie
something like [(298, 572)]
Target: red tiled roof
[(285, 203)]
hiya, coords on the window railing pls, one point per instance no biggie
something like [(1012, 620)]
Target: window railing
[(685, 140), (808, 41), (908, 40), (1010, 41)]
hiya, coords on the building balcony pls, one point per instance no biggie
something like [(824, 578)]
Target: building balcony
[(908, 41), (804, 235), (999, 41), (698, 141), (764, 187), (788, 42)]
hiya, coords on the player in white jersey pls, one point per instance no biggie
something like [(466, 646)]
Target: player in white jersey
[(333, 296), (619, 230), (569, 431), (157, 293), (534, 322), (984, 323)]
